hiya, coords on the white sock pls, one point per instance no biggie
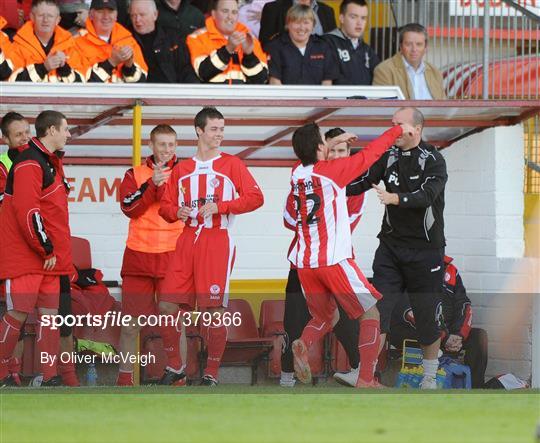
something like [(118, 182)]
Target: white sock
[(430, 367), (287, 376)]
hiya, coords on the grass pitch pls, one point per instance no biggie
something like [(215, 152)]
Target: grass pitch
[(266, 414)]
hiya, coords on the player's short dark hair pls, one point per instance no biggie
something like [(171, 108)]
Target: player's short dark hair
[(306, 141), (46, 119), (334, 132), (162, 129), (205, 114), (9, 118), (214, 4), (345, 3), (36, 3), (412, 27)]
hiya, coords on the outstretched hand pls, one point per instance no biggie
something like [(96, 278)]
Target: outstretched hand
[(385, 197)]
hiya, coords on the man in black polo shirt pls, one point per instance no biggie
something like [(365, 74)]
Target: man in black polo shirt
[(357, 60), (180, 15), (410, 256), (165, 53)]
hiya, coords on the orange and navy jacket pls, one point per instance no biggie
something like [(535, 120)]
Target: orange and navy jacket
[(97, 52), (9, 61), (214, 64), (151, 240), (32, 57), (34, 215)]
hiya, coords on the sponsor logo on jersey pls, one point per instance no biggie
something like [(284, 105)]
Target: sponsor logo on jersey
[(393, 178), (210, 198)]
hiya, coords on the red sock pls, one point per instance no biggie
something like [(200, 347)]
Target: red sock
[(68, 373), (171, 343), (15, 365), (124, 379), (9, 336), (314, 331), (217, 339), (48, 344), (368, 348)]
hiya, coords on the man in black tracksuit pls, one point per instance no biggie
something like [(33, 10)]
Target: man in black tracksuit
[(410, 255), (357, 60)]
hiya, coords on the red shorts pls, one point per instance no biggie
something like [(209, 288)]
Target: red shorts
[(200, 271), (139, 295), (30, 291), (342, 282)]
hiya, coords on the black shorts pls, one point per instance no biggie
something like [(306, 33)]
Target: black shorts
[(420, 272)]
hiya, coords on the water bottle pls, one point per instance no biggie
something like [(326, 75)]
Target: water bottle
[(36, 381), (91, 375)]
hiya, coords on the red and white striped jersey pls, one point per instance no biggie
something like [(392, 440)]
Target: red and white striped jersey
[(355, 209), (320, 216), (193, 183)]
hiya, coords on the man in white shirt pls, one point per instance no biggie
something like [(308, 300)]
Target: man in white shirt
[(418, 79)]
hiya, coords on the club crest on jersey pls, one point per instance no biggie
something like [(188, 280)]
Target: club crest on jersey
[(214, 183), (446, 276), (214, 289)]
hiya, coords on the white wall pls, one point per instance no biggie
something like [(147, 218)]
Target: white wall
[(484, 229)]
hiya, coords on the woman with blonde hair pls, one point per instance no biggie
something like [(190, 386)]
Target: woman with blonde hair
[(298, 57)]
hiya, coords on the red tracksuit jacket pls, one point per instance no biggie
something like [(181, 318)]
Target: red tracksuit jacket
[(34, 217)]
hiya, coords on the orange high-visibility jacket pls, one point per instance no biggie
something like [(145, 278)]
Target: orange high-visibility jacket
[(150, 232), (9, 61), (32, 56), (97, 52), (214, 64)]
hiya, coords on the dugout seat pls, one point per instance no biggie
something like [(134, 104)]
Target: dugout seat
[(81, 252), (271, 326), (339, 362), (82, 259), (245, 347)]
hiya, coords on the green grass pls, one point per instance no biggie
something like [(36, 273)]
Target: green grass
[(266, 414)]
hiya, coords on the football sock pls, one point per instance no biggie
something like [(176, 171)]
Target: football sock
[(430, 367), (217, 339), (125, 378), (171, 343), (368, 348), (314, 331), (48, 344), (15, 365), (9, 335)]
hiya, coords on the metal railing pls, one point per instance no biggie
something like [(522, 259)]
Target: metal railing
[(493, 55)]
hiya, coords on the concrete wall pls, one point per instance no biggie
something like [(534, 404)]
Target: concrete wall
[(484, 229)]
